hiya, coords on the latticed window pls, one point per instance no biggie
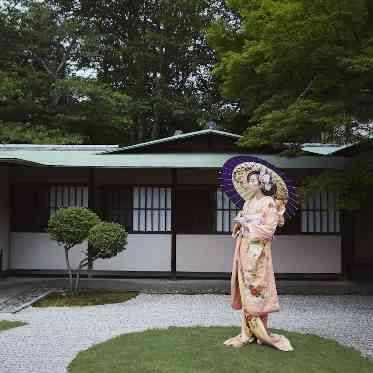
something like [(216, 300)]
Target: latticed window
[(320, 214), (225, 212), (67, 196), (34, 203), (115, 204), (151, 209), (138, 208)]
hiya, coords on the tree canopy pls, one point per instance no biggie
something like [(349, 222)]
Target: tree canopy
[(105, 72), (299, 68), (302, 71)]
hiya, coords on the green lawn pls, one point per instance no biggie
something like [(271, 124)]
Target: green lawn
[(5, 324), (85, 297), (201, 349)]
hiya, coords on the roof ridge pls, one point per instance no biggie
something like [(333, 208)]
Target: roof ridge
[(172, 138)]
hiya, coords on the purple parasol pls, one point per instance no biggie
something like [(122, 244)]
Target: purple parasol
[(226, 182)]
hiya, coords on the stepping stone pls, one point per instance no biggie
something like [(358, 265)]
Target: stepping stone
[(23, 299)]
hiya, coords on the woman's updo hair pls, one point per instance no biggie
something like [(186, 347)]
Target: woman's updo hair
[(269, 188)]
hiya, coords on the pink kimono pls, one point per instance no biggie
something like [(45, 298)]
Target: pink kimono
[(253, 259), (253, 287)]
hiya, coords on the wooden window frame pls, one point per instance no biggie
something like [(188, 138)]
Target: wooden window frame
[(168, 188), (223, 210), (213, 188), (43, 188), (292, 227), (55, 206), (102, 206), (131, 188), (336, 211)]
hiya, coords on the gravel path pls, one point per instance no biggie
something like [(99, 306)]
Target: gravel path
[(55, 335)]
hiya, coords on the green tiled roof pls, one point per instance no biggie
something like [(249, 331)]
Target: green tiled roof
[(324, 149), (81, 158), (116, 157), (174, 138)]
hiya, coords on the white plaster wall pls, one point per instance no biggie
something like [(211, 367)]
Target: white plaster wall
[(291, 254), (33, 250), (307, 254), (195, 253), (143, 253), (204, 253), (4, 214)]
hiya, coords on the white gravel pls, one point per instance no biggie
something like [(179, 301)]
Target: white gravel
[(55, 335)]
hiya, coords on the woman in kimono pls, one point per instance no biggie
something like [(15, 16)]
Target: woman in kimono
[(253, 288)]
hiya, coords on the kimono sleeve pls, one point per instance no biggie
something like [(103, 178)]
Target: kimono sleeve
[(267, 227), (239, 218)]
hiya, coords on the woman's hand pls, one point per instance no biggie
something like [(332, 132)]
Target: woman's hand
[(236, 228)]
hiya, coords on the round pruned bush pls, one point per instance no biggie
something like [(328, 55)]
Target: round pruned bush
[(107, 239), (70, 226)]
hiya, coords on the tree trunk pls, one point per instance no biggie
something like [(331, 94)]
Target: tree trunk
[(81, 265), (155, 128), (132, 136), (140, 133), (69, 268)]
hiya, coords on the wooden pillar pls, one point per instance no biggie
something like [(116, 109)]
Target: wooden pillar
[(173, 225), (91, 206), (347, 226)]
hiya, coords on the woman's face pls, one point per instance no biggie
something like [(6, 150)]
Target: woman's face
[(253, 183)]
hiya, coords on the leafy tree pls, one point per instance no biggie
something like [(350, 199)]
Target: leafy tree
[(352, 183), (152, 52), (156, 52), (99, 112), (40, 99), (70, 227), (106, 240), (301, 71)]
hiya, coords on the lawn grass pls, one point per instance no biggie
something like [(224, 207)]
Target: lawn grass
[(86, 297), (5, 324), (201, 349)]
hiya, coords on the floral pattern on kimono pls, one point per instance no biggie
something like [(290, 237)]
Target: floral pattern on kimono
[(253, 260)]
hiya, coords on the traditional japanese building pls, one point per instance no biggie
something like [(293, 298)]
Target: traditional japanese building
[(167, 194)]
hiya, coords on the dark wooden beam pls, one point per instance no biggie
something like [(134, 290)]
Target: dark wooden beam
[(91, 206), (347, 225), (173, 225), (165, 274)]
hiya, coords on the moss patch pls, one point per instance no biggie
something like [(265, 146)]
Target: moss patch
[(85, 297), (5, 324), (201, 349)]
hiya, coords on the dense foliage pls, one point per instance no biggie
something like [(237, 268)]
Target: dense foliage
[(105, 72)]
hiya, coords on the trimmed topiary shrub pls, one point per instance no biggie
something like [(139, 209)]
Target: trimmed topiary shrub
[(70, 227), (105, 240)]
